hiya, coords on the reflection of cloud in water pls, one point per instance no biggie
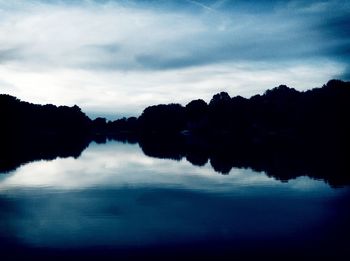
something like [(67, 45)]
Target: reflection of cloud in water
[(117, 165), (114, 196)]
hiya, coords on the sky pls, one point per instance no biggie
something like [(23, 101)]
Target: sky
[(114, 58)]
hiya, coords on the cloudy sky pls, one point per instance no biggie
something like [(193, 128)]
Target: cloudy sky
[(113, 58)]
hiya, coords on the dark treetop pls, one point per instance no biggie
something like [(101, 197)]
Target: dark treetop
[(284, 132)]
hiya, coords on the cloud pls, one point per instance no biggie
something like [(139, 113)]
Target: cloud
[(117, 37), (88, 52), (8, 54), (128, 93)]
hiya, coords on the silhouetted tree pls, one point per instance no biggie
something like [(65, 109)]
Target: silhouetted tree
[(219, 110), (99, 125), (163, 119), (197, 115)]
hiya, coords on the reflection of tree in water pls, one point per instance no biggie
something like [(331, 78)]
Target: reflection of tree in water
[(284, 132), (32, 132), (281, 161), (20, 151)]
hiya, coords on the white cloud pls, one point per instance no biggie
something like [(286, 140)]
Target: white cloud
[(129, 92), (119, 58)]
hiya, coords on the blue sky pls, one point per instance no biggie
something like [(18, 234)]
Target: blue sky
[(114, 58)]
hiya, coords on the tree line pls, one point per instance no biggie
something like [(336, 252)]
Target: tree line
[(280, 113), (282, 131)]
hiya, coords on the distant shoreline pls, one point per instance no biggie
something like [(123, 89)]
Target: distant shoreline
[(283, 132)]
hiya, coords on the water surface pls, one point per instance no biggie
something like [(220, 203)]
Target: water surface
[(115, 199)]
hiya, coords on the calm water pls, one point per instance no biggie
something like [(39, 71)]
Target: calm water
[(114, 198)]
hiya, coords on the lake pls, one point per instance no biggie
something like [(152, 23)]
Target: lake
[(113, 200)]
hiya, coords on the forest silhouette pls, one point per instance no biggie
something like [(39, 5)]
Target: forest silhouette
[(284, 132)]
